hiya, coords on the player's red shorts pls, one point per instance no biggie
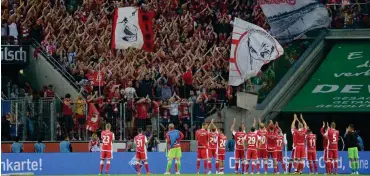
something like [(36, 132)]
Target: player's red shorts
[(279, 155), (212, 153), (221, 157), (252, 154), (262, 154), (292, 154), (106, 155), (271, 154), (141, 156), (325, 155), (202, 153), (332, 153), (239, 154), (300, 152), (311, 155)]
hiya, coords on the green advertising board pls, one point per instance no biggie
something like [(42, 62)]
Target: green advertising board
[(340, 84)]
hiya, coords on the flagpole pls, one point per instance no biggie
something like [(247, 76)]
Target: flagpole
[(99, 77)]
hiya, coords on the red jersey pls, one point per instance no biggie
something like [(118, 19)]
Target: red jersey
[(252, 138), (184, 110), (325, 139), (311, 142), (262, 139), (333, 136), (140, 141), (107, 139), (279, 143), (221, 144), (141, 110), (299, 136), (212, 140), (239, 139), (271, 141), (202, 137)]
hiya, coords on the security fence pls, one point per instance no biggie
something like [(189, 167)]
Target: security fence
[(30, 119), (45, 119)]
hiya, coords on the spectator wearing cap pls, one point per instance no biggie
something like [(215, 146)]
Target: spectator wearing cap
[(17, 147), (39, 147)]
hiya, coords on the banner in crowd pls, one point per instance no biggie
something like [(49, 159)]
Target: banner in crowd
[(93, 118), (290, 19), (14, 54), (124, 163), (133, 27), (251, 48), (340, 84)]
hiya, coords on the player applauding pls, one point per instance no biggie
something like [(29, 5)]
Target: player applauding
[(271, 144), (252, 139), (106, 149), (239, 146), (333, 135), (311, 151), (141, 144), (280, 142), (221, 151), (212, 145), (325, 146), (202, 137), (262, 147), (300, 139)]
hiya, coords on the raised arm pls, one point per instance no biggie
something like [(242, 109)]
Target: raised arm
[(243, 126), (304, 122), (322, 129), (232, 126), (254, 122), (293, 123)]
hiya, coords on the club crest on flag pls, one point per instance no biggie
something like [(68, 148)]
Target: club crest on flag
[(251, 48), (133, 162)]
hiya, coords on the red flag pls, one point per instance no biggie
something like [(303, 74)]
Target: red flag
[(93, 119)]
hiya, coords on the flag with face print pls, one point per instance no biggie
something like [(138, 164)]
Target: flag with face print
[(251, 48)]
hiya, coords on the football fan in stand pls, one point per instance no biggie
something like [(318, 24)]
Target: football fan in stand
[(141, 154), (239, 154), (262, 147), (212, 145), (333, 135), (94, 144), (325, 146), (271, 144), (251, 139), (311, 151), (222, 139), (106, 149), (280, 142), (173, 138), (300, 140), (201, 136)]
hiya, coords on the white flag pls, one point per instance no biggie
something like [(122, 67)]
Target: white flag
[(133, 27), (251, 48), (290, 19)]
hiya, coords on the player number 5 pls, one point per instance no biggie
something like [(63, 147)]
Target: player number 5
[(334, 137)]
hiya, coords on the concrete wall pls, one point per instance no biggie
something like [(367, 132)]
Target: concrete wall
[(40, 72)]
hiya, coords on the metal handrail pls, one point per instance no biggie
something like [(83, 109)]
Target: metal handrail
[(55, 63)]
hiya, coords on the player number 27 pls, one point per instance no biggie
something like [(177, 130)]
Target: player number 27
[(106, 139)]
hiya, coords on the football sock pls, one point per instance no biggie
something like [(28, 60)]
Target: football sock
[(315, 166), (178, 166), (205, 163), (107, 166), (217, 166), (247, 167), (243, 166), (311, 167), (209, 165), (146, 167), (198, 165), (236, 166), (336, 166), (101, 166), (169, 165), (290, 167)]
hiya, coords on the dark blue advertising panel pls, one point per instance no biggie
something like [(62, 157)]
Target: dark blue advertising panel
[(14, 54), (124, 163)]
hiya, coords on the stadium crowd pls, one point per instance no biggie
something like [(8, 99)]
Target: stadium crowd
[(188, 71)]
